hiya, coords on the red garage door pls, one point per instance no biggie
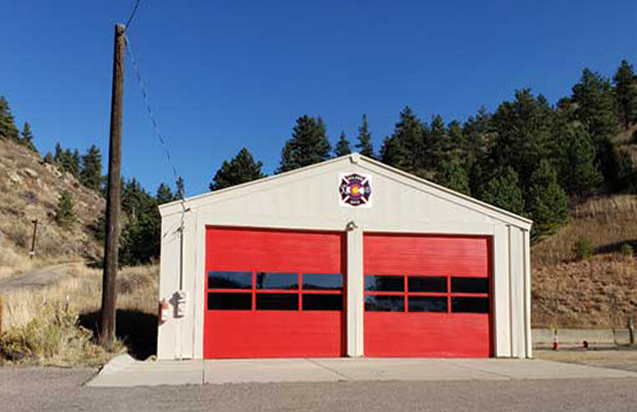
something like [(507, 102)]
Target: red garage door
[(427, 296), (273, 293)]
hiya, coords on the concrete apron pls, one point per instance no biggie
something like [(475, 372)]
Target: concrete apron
[(123, 371)]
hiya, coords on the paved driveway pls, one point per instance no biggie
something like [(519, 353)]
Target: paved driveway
[(52, 389), (125, 372)]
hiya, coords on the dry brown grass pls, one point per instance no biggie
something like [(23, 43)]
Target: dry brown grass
[(607, 222), (597, 293), (80, 294)]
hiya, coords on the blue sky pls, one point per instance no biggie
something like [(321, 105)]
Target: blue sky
[(232, 73)]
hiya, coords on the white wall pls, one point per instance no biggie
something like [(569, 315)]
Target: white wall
[(309, 200)]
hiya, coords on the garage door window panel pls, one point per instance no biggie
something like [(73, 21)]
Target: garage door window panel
[(473, 285), (469, 305), (277, 301), (229, 301), (432, 284), (384, 303), (281, 281), (327, 302), (384, 283), (323, 281), (427, 304), (229, 280)]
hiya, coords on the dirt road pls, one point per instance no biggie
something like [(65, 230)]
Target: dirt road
[(35, 279)]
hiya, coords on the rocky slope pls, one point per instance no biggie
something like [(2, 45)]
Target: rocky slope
[(29, 190)]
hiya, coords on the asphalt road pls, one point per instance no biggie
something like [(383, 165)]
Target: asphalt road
[(51, 389)]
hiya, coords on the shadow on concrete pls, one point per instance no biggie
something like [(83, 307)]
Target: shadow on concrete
[(136, 329)]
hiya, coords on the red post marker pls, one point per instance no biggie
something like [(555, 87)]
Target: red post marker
[(556, 342)]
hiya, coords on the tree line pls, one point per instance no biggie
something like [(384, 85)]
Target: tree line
[(529, 157)]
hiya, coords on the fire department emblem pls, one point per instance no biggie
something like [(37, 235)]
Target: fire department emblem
[(355, 190)]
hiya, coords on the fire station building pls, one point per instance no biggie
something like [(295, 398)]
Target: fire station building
[(349, 257)]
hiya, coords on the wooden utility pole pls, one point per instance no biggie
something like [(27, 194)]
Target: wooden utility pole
[(111, 244), (35, 234)]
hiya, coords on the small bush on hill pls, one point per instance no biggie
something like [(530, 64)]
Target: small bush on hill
[(64, 215), (627, 250), (583, 248)]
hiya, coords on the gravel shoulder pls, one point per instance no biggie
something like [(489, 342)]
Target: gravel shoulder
[(616, 358)]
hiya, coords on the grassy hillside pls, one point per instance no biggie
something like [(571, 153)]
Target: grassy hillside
[(598, 292), (56, 324), (30, 190)]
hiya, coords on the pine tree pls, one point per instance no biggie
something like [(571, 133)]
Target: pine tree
[(342, 147), (75, 163), (64, 215), (547, 202), (503, 191), (59, 153), (595, 106), (135, 200), (8, 130), (626, 93), (523, 130), (164, 194), (364, 145), (49, 158), (390, 152), (27, 137), (181, 188), (433, 141), (575, 159), (478, 132), (91, 168), (140, 242), (452, 174), (456, 137), (308, 145), (241, 169), (407, 147)]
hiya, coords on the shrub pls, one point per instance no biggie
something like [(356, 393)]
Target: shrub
[(626, 250), (64, 215), (52, 337), (583, 248)]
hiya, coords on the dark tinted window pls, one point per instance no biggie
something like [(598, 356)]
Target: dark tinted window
[(427, 284), (277, 301), (229, 301), (469, 305), (277, 280), (470, 285), (322, 302), (229, 280), (385, 283), (379, 303), (323, 281), (427, 304)]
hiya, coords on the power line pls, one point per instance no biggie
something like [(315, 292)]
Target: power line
[(161, 139), (132, 13), (149, 109)]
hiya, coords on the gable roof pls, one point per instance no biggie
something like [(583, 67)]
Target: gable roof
[(364, 162)]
